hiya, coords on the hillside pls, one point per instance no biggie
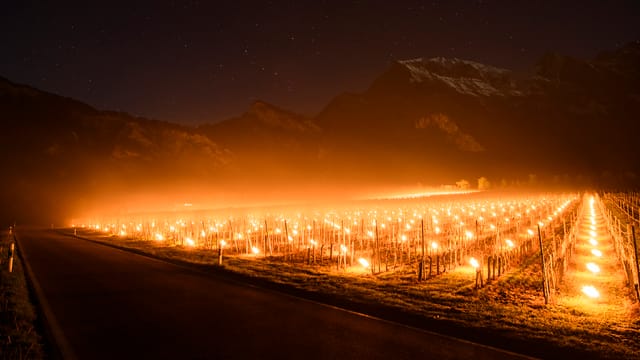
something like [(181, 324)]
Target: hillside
[(432, 121)]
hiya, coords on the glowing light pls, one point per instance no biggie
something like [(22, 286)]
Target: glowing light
[(530, 232), (437, 230), (123, 233), (510, 243), (190, 242), (596, 252), (593, 268), (590, 291), (468, 234), (313, 242), (474, 263), (434, 245), (364, 263), (343, 249), (593, 233), (403, 238), (255, 250), (223, 243), (593, 242), (159, 237)]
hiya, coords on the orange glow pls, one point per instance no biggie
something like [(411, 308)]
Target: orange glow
[(364, 262)]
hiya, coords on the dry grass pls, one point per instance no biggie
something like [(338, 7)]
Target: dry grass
[(18, 336), (509, 312)]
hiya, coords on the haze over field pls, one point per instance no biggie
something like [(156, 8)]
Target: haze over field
[(422, 122)]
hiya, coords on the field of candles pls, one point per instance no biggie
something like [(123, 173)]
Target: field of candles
[(524, 267), (429, 235)]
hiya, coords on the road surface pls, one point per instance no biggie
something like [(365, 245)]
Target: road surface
[(105, 303)]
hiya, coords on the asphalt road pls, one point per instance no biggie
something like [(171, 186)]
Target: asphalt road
[(105, 303)]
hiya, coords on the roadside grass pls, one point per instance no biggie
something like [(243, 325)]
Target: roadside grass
[(18, 336), (509, 312)]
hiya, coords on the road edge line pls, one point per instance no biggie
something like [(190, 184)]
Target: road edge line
[(186, 266), (52, 328)]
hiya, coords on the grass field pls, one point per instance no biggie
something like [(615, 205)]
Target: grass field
[(18, 336)]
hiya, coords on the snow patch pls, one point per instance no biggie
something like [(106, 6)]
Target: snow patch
[(466, 77)]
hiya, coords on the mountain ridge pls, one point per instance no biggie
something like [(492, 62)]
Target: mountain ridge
[(427, 120)]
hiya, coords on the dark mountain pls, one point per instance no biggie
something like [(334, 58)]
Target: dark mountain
[(456, 117), (431, 121), (57, 152), (269, 143)]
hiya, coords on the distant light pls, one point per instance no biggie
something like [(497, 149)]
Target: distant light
[(434, 245), (474, 263), (159, 237), (530, 232), (364, 263), (593, 268), (255, 250), (593, 242), (596, 252), (343, 249), (188, 204), (403, 238), (593, 233), (590, 291), (190, 242), (509, 243), (469, 234), (223, 243)]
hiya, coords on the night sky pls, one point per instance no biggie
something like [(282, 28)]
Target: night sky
[(204, 61)]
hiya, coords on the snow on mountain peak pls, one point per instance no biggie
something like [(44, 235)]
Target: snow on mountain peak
[(464, 76)]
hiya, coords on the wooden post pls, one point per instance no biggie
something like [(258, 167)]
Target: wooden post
[(544, 274), (421, 270), (288, 246), (11, 251), (377, 250), (635, 248)]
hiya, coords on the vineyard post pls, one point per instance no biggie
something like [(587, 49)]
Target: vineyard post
[(544, 275), (635, 248), (377, 249), (423, 249), (289, 246)]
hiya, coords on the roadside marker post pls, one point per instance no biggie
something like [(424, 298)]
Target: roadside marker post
[(11, 251)]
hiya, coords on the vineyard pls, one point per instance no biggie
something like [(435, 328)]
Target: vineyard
[(431, 236), (623, 220), (537, 264)]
